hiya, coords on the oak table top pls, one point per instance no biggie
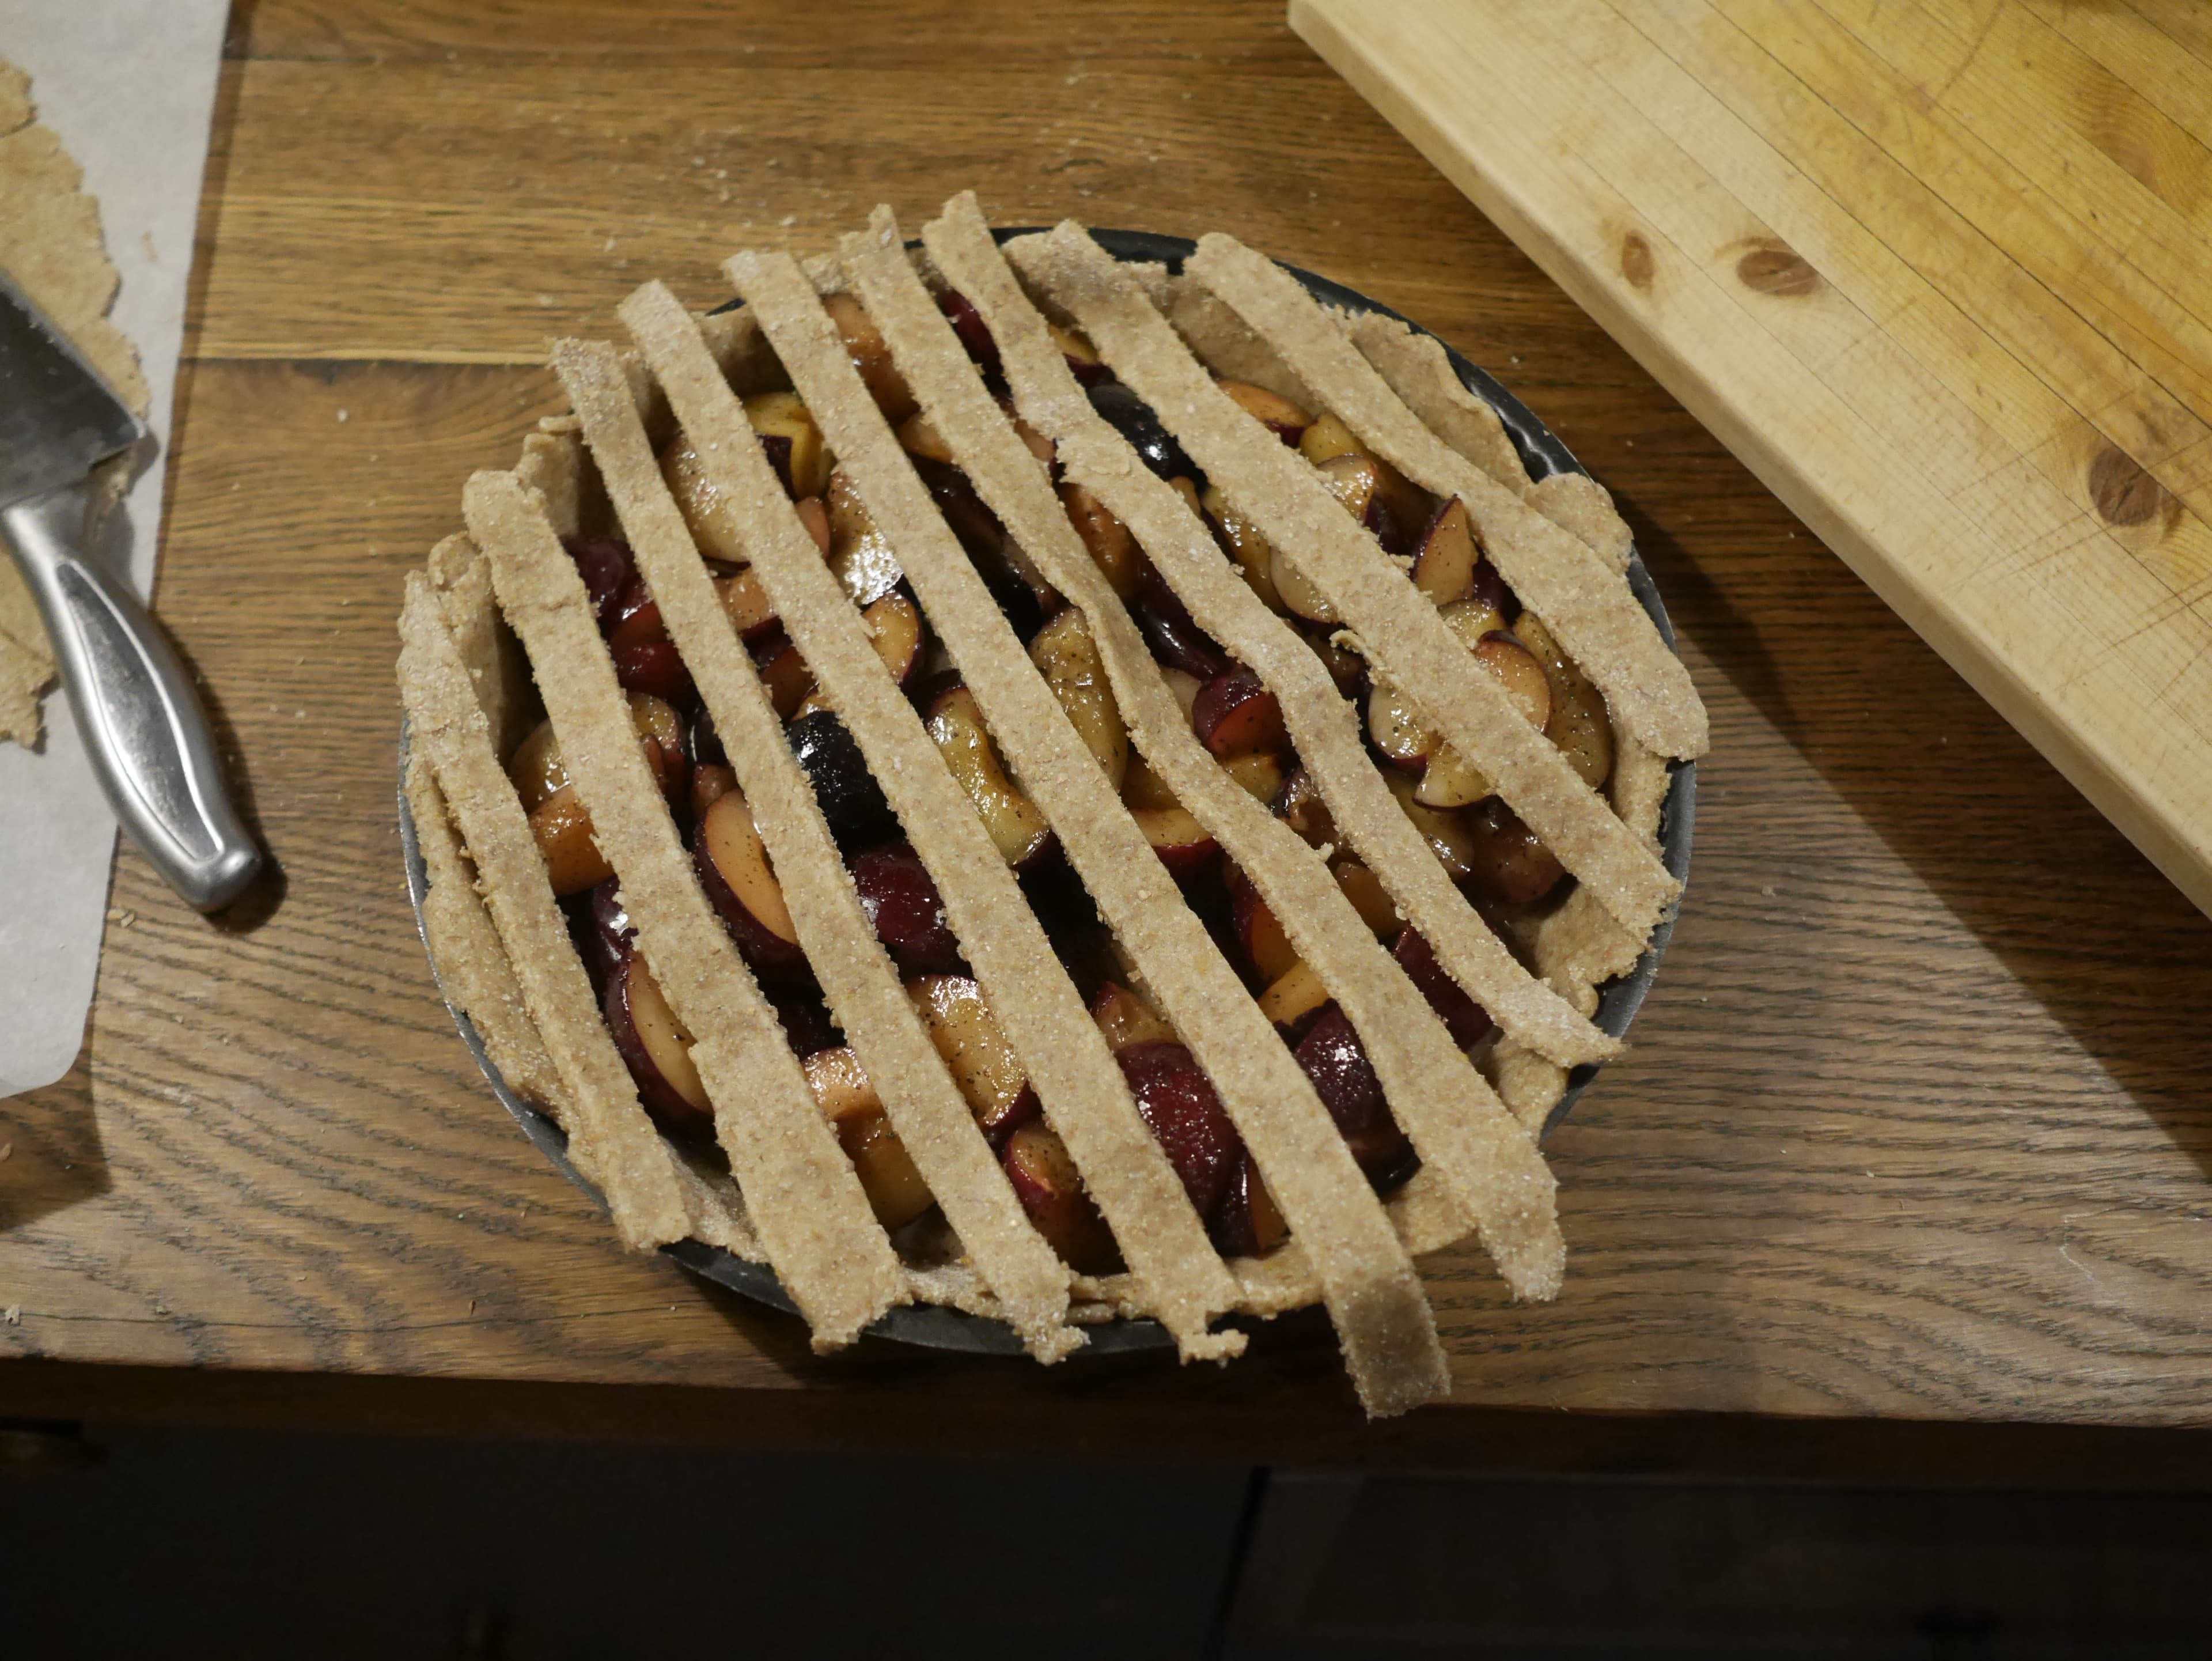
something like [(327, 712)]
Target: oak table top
[(1915, 1130)]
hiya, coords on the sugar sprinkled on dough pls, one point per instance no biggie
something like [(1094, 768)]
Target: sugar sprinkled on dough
[(1082, 1092), (865, 998)]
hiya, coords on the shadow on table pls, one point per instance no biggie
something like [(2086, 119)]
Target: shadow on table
[(54, 1156), (1292, 1373), (2114, 952)]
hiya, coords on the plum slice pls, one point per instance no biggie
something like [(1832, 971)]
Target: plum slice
[(1013, 577), (1444, 829), (1267, 947), (1046, 1182), (1126, 1018), (783, 672), (1292, 1003), (1444, 564), (918, 435), (1389, 504), (1261, 773), (1066, 656), (1247, 1224), (1298, 804), (660, 734), (976, 1052), (709, 783), (715, 522), (536, 768), (655, 668), (613, 938), (1357, 481), (851, 799), (1286, 420), (1579, 725), (1404, 737), (1506, 862), (646, 660), (1178, 1101), (1297, 592), (791, 441), (1513, 666), (563, 833), (1083, 360), (1136, 421), (1112, 547), (1368, 896), (896, 631), (968, 323), (745, 602), (859, 554), (1017, 828), (902, 901), (895, 1189), (734, 871), (1468, 1021), (871, 355), (1235, 714), (1175, 637), (605, 564), (657, 1049), (1449, 779), (1342, 1076), (1186, 847), (558, 821), (1241, 540)]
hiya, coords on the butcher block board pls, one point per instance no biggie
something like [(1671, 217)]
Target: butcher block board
[(1938, 273)]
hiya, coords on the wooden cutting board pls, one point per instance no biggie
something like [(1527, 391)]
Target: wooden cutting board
[(1937, 272)]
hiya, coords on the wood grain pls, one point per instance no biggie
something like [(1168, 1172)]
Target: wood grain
[(1936, 272), (1914, 1127)]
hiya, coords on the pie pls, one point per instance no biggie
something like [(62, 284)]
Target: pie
[(996, 776)]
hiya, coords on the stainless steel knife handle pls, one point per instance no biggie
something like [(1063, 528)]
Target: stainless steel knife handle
[(142, 723)]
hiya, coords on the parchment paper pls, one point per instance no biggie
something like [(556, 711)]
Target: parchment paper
[(130, 86)]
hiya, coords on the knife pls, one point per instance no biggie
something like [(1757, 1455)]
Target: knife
[(142, 722)]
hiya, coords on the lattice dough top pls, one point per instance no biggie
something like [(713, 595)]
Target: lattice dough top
[(997, 776)]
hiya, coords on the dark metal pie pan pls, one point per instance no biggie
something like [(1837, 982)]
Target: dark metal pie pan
[(938, 1328)]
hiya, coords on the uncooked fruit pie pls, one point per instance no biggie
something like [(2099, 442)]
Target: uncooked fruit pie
[(995, 777)]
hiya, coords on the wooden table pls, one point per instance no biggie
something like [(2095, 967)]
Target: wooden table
[(1906, 1172)]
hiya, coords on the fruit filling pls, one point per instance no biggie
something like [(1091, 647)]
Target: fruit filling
[(1481, 844)]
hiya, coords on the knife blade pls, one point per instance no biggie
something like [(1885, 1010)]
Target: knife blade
[(57, 418), (142, 725)]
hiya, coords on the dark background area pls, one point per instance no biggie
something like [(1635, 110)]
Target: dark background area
[(179, 1543)]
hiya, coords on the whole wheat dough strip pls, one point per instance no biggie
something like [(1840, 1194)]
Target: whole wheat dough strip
[(1382, 1314), (1421, 1072), (1418, 369), (863, 990), (1459, 1126), (1397, 625), (611, 1141), (1080, 1085), (475, 975), (1322, 727), (472, 965), (499, 676), (1579, 504), (806, 1203), (1552, 571)]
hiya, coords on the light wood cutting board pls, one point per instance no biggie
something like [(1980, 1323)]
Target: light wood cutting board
[(1938, 272)]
